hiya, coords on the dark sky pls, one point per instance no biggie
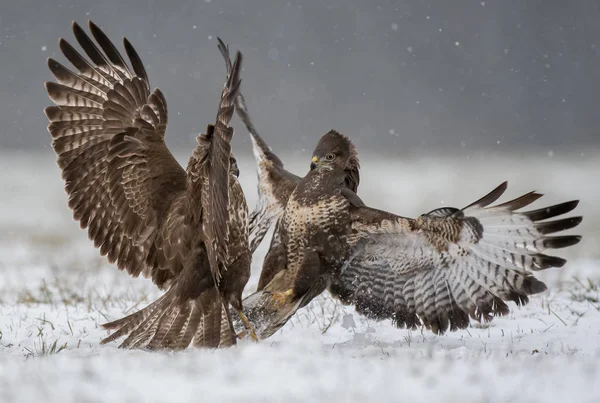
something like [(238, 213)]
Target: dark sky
[(391, 75)]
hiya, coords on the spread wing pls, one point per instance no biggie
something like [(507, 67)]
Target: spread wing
[(208, 170), (108, 132), (449, 264), (275, 183)]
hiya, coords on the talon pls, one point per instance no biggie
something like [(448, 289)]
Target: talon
[(253, 335), (248, 326), (282, 297)]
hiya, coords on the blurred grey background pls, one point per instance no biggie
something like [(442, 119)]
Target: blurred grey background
[(395, 76)]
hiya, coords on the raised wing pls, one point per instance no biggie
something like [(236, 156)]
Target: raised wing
[(108, 132), (451, 264), (275, 183), (209, 170)]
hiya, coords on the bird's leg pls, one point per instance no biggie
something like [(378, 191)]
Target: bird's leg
[(282, 297), (247, 325)]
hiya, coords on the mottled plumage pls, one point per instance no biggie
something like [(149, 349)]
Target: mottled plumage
[(436, 270), (185, 229), (451, 264), (313, 233)]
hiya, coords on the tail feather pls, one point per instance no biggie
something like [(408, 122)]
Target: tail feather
[(165, 325), (170, 323), (187, 332), (208, 333), (228, 335), (145, 331), (170, 338), (127, 324)]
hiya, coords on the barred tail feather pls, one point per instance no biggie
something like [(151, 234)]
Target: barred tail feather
[(228, 334), (169, 323)]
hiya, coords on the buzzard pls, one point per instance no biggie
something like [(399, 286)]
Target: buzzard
[(185, 229), (437, 270)]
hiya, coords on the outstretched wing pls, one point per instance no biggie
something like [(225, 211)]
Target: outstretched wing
[(449, 264), (108, 132), (192, 310), (275, 183), (208, 170)]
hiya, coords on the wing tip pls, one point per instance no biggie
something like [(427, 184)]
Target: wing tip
[(572, 204), (544, 262), (50, 112), (550, 227), (551, 211), (532, 285), (76, 27), (560, 242), (490, 197), (92, 25)]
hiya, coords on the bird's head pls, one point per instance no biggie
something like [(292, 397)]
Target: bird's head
[(336, 152)]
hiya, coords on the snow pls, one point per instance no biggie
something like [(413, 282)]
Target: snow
[(55, 291)]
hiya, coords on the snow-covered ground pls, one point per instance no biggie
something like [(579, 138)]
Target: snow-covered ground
[(55, 291)]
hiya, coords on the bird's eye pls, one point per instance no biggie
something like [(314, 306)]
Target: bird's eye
[(330, 157)]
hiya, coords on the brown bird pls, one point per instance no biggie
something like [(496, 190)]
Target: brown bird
[(185, 229), (436, 270)]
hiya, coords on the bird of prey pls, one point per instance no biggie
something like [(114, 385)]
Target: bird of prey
[(436, 270), (185, 229)]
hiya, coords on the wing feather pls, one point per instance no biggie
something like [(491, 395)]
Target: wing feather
[(275, 183), (208, 171), (451, 264), (107, 130)]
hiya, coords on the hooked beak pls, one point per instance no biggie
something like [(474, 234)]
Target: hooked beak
[(313, 164)]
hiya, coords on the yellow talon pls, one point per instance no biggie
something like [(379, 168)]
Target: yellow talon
[(281, 297), (248, 326)]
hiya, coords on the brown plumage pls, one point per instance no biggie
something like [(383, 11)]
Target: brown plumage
[(185, 229), (313, 235), (437, 270)]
